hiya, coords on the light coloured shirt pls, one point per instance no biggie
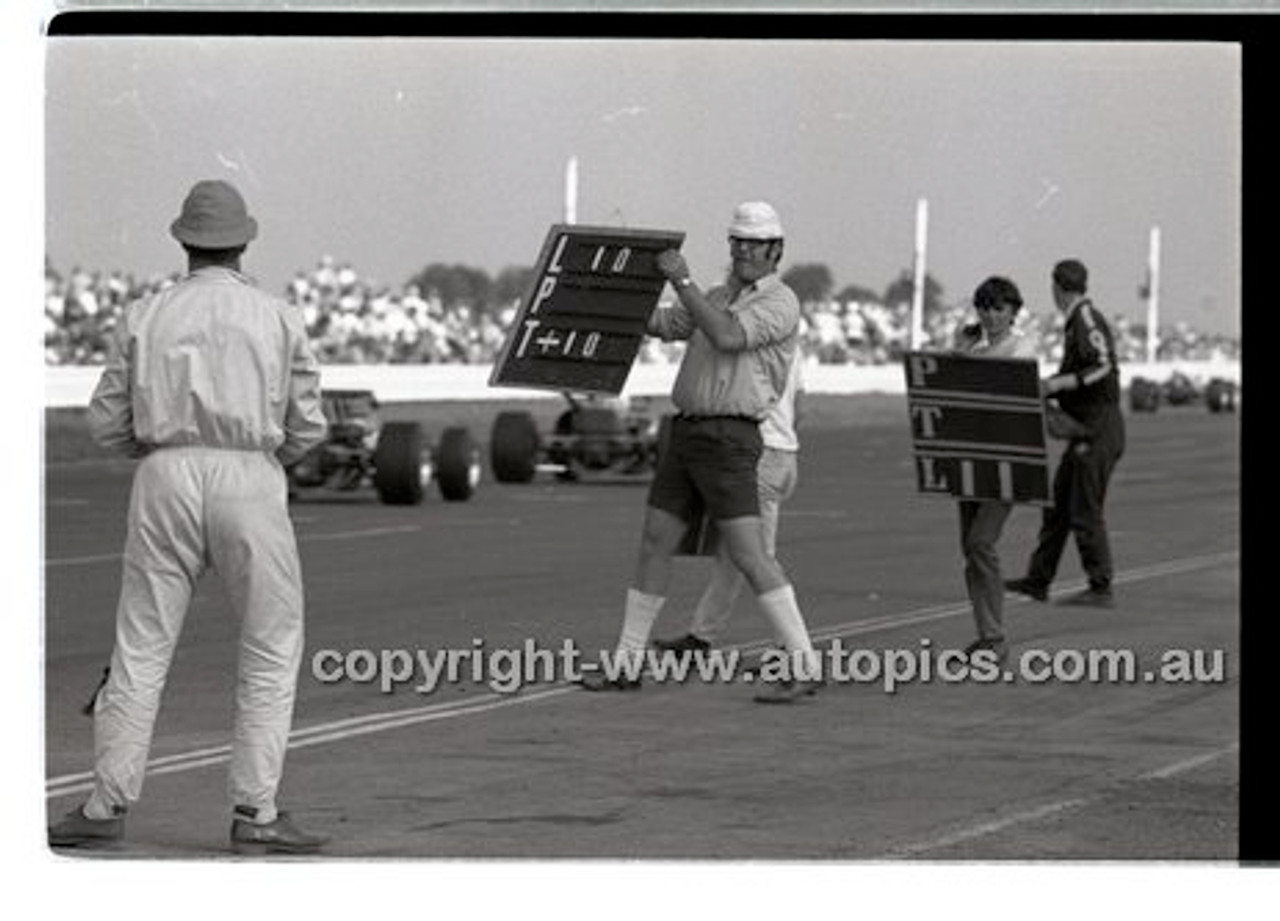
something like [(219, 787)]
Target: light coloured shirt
[(211, 361), (778, 430), (712, 382), (1017, 344)]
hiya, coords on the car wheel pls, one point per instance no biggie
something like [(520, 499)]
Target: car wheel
[(457, 465), (513, 447), (398, 464)]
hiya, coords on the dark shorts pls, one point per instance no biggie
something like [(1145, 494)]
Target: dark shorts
[(710, 464)]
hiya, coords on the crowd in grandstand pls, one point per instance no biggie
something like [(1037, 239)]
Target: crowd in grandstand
[(353, 321)]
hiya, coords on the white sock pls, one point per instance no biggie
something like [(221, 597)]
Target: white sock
[(783, 613), (637, 621), (261, 815)]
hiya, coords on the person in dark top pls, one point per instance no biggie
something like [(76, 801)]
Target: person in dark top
[(1087, 391)]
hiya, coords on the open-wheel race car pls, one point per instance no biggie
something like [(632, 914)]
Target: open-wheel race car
[(593, 438), (394, 457), (1146, 395), (1180, 390), (1221, 395)]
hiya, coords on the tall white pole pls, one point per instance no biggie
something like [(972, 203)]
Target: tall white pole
[(571, 191), (1153, 296), (917, 299)]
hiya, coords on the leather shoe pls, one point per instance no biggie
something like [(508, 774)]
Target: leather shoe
[(1027, 587), (1091, 598), (278, 837), (687, 643), (999, 647), (599, 681), (786, 692), (76, 829)]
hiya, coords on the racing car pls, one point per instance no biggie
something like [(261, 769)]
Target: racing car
[(593, 438), (392, 456), (1144, 395), (1180, 390), (1221, 395)]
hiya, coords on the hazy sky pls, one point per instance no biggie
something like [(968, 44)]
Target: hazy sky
[(394, 153)]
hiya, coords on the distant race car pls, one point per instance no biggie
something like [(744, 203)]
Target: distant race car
[(392, 456), (593, 438), (1144, 395), (1180, 390), (1221, 395)]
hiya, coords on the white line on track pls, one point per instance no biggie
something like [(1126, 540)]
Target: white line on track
[(1189, 764), (1023, 817), (351, 727), (82, 560), (941, 612), (366, 532), (302, 539), (336, 731), (983, 829)]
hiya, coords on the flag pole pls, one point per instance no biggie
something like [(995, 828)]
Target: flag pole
[(917, 299), (1153, 297), (571, 191)]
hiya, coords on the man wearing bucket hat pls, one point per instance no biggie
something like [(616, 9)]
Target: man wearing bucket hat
[(742, 340), (212, 385)]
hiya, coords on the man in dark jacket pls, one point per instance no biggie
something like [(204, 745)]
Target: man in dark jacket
[(1087, 390)]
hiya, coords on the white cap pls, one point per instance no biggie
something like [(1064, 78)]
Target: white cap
[(756, 220)]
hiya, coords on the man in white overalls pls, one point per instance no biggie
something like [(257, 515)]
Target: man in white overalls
[(212, 384)]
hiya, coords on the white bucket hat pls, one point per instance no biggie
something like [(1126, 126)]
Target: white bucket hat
[(756, 220)]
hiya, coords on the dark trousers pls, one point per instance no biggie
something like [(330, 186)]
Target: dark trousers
[(980, 527), (1079, 493)]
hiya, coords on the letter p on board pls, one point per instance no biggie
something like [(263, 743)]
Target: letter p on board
[(921, 367), (544, 291)]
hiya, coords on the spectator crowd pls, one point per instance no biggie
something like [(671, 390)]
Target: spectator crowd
[(354, 321)]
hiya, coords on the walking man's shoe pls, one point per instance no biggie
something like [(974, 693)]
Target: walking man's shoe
[(599, 681), (76, 829), (786, 692), (1029, 588), (999, 647), (1091, 598), (278, 837), (687, 643)]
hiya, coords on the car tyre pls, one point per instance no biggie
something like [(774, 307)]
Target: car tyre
[(400, 466), (457, 465), (513, 447)]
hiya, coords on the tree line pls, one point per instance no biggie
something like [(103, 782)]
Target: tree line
[(812, 282)]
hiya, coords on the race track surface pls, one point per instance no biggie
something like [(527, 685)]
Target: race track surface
[(1060, 770)]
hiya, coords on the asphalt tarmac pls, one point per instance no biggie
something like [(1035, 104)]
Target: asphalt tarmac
[(1056, 764)]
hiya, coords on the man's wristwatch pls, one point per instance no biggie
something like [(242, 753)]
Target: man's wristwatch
[(683, 283)]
